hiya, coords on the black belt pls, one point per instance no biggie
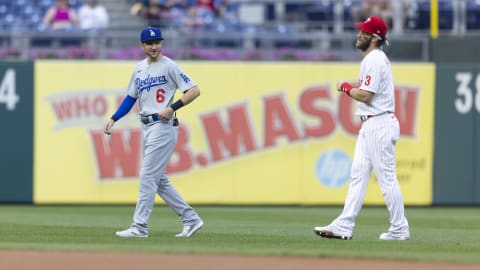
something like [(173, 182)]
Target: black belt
[(366, 117), (147, 119)]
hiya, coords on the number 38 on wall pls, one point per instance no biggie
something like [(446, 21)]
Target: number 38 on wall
[(8, 95), (467, 97)]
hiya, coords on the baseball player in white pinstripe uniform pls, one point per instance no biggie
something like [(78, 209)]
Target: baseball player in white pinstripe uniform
[(375, 147), (154, 83)]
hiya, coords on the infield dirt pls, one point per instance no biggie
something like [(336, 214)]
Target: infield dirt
[(40, 260)]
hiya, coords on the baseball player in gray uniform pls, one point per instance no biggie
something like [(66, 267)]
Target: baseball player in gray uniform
[(154, 82), (375, 147)]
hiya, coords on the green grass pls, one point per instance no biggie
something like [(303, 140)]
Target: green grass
[(438, 234)]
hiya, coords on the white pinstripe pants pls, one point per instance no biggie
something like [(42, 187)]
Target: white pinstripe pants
[(375, 149)]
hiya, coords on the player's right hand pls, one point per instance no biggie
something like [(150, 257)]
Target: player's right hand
[(108, 126), (344, 87)]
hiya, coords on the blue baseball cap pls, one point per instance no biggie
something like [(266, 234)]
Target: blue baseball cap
[(150, 33)]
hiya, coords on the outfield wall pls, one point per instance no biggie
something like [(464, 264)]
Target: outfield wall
[(260, 133), (16, 132), (457, 133)]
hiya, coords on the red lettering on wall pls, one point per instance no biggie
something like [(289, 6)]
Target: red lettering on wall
[(229, 137), (309, 100), (119, 100), (278, 120), (229, 132), (99, 106), (81, 106), (182, 159), (63, 109), (406, 102), (117, 157), (346, 114), (78, 107)]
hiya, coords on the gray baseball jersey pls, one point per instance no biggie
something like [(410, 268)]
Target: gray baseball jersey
[(154, 85)]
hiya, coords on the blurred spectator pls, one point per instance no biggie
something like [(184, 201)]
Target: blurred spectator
[(93, 15), (177, 10), (60, 17), (229, 10), (359, 10), (380, 8), (383, 9), (207, 5), (160, 12), (410, 9), (201, 13)]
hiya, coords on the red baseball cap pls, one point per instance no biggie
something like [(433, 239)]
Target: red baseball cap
[(373, 25)]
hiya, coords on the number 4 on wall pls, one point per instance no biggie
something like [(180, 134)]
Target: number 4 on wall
[(8, 94)]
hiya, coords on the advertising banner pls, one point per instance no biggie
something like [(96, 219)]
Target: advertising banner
[(260, 133)]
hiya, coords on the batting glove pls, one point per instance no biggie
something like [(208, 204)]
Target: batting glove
[(346, 88)]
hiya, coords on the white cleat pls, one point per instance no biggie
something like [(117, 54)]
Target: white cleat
[(390, 236), (189, 230), (131, 232), (326, 232)]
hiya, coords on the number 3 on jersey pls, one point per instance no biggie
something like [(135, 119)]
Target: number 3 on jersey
[(160, 95), (367, 80)]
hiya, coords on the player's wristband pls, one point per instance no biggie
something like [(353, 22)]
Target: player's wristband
[(177, 105), (346, 87), (114, 118)]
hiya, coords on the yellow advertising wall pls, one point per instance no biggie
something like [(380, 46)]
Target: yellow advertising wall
[(260, 133)]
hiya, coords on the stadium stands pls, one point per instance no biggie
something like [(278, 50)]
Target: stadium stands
[(27, 14), (473, 14), (305, 24)]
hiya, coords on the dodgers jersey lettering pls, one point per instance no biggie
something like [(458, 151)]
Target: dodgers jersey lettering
[(376, 77), (154, 85)]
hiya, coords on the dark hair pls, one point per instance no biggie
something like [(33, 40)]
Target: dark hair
[(152, 41), (381, 42)]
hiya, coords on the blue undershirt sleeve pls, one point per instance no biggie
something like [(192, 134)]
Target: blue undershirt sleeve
[(124, 108)]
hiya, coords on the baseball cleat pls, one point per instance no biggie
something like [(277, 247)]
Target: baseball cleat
[(390, 236), (325, 233), (189, 230), (131, 232)]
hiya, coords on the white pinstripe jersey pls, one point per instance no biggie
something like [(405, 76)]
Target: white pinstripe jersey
[(154, 85), (376, 76)]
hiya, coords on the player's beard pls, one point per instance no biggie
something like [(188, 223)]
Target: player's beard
[(363, 44)]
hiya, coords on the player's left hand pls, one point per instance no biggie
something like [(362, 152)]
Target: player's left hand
[(166, 113)]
